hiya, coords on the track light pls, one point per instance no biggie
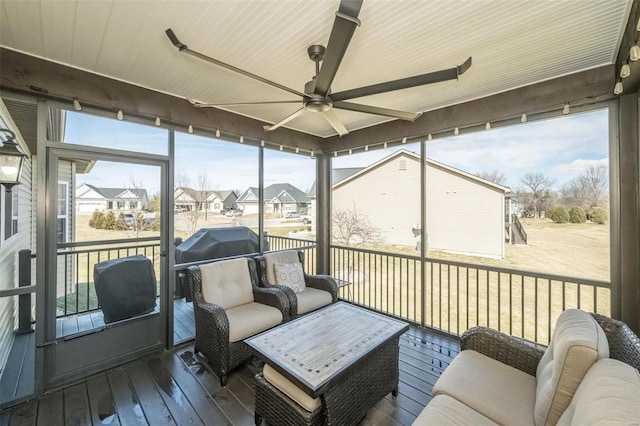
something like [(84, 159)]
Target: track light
[(429, 137), (350, 151), (297, 150), (638, 25), (217, 133), (487, 126), (76, 104), (566, 109), (523, 118), (190, 129), (120, 115), (366, 147), (312, 154), (618, 88), (386, 145), (456, 131), (335, 153), (241, 139), (281, 147), (625, 71), (634, 52), (262, 143), (158, 122), (404, 140)]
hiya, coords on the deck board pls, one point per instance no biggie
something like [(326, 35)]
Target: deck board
[(178, 387)]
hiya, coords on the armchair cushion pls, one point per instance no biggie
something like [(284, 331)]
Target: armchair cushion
[(609, 394), (270, 259), (311, 299), (577, 343), (227, 283), (250, 319), (498, 391), (445, 410), (291, 275)]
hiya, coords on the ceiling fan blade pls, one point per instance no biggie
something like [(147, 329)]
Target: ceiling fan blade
[(402, 115), (344, 26), (284, 120), (201, 105), (404, 83), (335, 122), (184, 48)]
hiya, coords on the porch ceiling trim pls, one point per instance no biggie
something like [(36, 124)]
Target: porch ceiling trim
[(20, 72)]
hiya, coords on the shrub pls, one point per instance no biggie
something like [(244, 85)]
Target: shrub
[(599, 215), (97, 220), (110, 221), (577, 215), (559, 215)]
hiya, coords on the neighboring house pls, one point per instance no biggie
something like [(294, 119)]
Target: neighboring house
[(465, 214), (278, 198), (90, 198), (214, 201)]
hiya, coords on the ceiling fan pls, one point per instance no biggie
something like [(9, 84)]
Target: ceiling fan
[(317, 96)]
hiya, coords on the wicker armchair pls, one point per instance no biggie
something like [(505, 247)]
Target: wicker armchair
[(525, 355), (321, 290), (229, 307)]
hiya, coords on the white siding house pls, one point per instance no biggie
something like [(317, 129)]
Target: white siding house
[(465, 214), (90, 198), (278, 198)]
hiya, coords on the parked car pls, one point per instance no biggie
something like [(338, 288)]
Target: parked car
[(129, 219), (232, 213), (291, 215), (305, 219)]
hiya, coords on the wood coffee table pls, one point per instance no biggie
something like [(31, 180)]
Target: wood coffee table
[(346, 355)]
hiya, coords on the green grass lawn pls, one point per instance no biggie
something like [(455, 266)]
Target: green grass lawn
[(84, 299)]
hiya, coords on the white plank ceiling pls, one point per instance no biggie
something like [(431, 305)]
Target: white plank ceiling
[(513, 43)]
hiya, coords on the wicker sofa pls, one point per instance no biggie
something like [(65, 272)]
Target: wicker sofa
[(589, 374)]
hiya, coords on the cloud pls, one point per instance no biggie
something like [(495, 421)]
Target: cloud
[(568, 171)]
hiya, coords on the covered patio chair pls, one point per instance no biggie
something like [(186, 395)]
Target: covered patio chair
[(229, 307), (306, 293)]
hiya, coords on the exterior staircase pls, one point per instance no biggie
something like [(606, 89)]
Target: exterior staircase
[(517, 232)]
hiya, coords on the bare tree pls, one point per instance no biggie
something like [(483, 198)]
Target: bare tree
[(136, 224), (192, 215), (203, 192), (350, 226), (493, 176), (589, 190), (536, 193)]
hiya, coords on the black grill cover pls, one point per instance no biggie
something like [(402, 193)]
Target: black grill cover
[(214, 243), (125, 287)]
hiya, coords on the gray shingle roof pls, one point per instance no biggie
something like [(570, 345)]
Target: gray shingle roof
[(337, 175), (112, 193)]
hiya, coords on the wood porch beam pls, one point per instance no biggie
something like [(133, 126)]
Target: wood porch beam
[(586, 87)]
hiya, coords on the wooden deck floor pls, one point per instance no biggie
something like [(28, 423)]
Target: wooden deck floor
[(179, 388)]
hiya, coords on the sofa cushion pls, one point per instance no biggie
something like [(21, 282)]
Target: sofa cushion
[(290, 275), (270, 259), (609, 394), (227, 283), (250, 319), (311, 299), (445, 410), (498, 391), (577, 343), (292, 391)]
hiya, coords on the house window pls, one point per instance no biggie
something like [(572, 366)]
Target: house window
[(14, 211), (62, 212), (216, 206), (402, 165), (120, 205), (133, 205)]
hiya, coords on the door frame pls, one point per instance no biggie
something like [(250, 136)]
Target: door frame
[(106, 347)]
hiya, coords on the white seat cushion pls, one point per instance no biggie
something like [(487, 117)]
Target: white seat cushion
[(608, 395), (285, 386), (311, 299), (252, 318), (500, 392), (445, 410), (270, 259), (227, 283), (577, 343)]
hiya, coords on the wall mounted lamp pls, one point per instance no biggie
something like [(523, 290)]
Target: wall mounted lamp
[(11, 159)]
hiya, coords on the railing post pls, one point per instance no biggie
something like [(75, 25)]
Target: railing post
[(24, 300)]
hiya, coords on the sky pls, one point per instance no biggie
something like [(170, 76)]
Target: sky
[(560, 148)]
